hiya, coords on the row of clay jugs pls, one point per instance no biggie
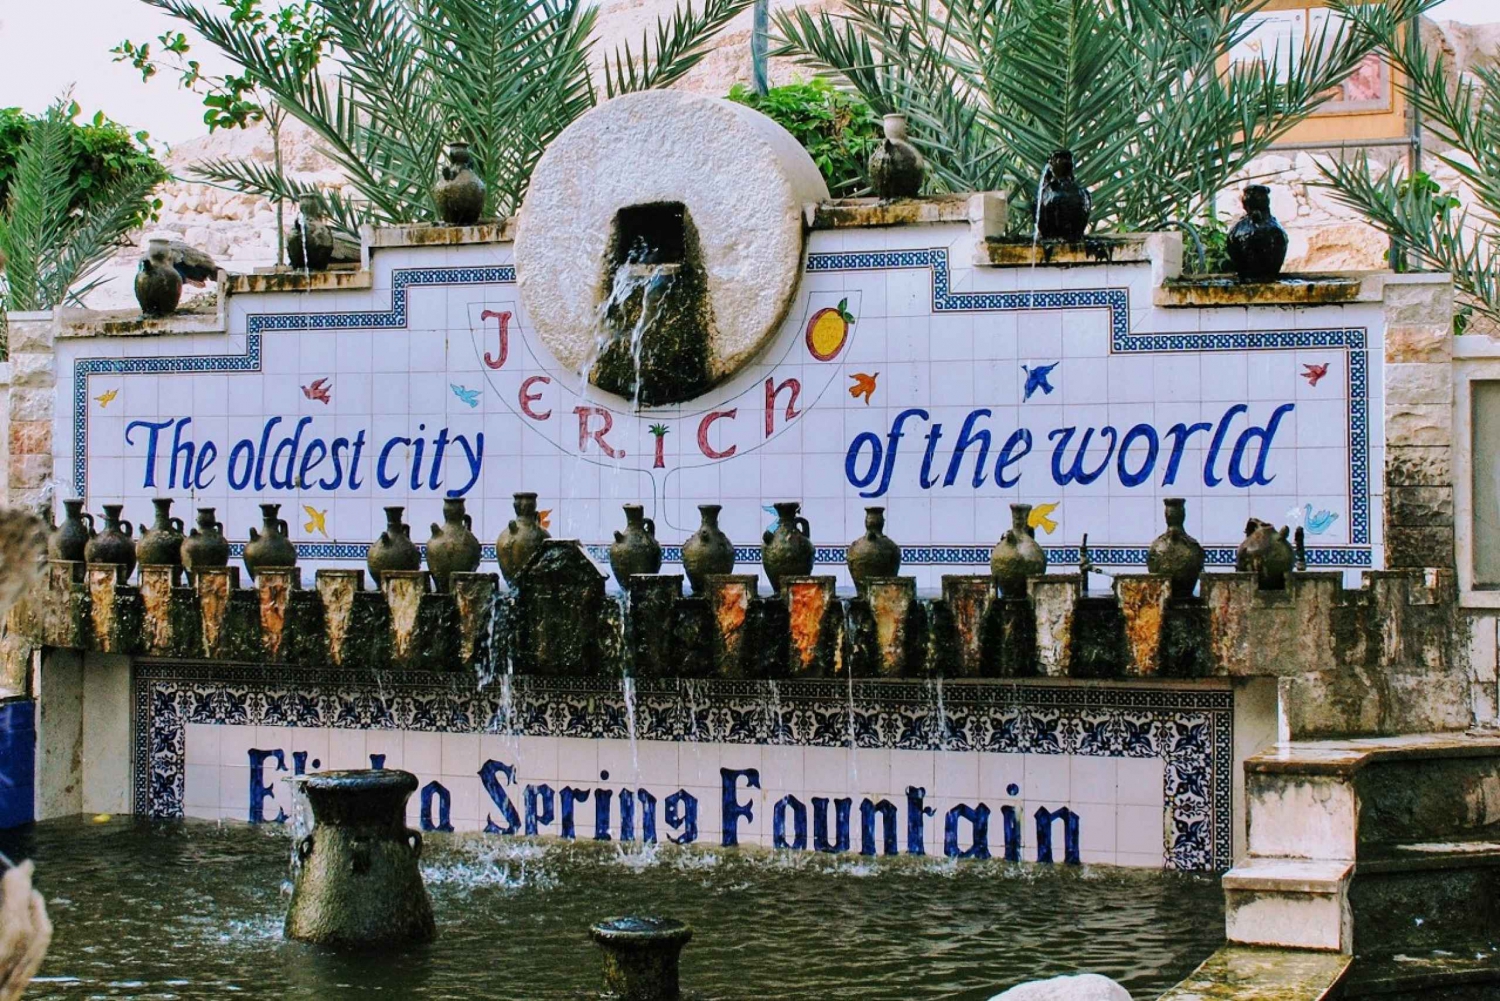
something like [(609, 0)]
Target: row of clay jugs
[(788, 549), (1266, 553), (635, 550), (271, 546), (522, 538), (394, 550), (161, 544), (708, 550), (453, 548), (205, 547), (1017, 555), (873, 554), (1176, 553)]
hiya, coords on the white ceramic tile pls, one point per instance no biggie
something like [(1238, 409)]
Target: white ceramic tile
[(1141, 781)]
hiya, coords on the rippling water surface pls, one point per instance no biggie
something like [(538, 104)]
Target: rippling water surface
[(190, 911)]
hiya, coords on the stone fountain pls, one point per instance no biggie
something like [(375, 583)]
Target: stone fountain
[(641, 956)]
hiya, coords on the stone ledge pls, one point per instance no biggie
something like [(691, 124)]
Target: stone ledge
[(297, 281), (130, 323), (988, 210), (1346, 757), (1312, 289), (1241, 973), (1283, 875), (1126, 248), (433, 235)]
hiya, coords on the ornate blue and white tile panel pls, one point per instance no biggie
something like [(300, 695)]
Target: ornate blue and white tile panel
[(1040, 772)]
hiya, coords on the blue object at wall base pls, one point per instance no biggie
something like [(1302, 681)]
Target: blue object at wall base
[(17, 762)]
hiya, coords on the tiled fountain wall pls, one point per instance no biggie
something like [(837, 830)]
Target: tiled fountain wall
[(921, 369)]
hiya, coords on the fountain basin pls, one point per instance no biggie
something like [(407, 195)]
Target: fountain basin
[(641, 956), (357, 883)]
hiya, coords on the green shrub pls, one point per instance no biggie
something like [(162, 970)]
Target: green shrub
[(101, 153), (838, 129)]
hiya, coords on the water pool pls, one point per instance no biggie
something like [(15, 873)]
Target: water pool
[(193, 911)]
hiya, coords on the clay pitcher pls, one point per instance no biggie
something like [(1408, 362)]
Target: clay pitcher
[(68, 540), (115, 544), (522, 538), (270, 547), (788, 550), (161, 544), (1065, 206), (636, 549), (1265, 553), (708, 550), (158, 286), (1017, 556), (873, 554), (394, 550), (1257, 244), (310, 244), (357, 884), (459, 192), (1176, 553), (453, 547), (896, 166), (205, 546)]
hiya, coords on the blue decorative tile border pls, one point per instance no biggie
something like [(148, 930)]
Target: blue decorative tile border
[(1191, 730), (1116, 301)]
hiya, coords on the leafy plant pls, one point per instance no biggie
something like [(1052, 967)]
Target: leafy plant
[(1143, 91), (294, 34), (53, 246), (837, 128), (99, 151), (1430, 228), (507, 75)]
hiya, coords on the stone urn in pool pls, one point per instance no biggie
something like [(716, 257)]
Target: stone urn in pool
[(873, 554), (635, 550), (394, 550), (1017, 555), (1265, 553), (69, 540), (269, 547), (357, 884), (115, 544), (788, 550), (161, 544), (1175, 553), (522, 538), (453, 548), (708, 550), (205, 547), (641, 957)]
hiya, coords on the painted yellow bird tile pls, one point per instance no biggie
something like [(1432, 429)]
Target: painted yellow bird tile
[(864, 385), (544, 518), (105, 399), (1038, 517), (317, 521)]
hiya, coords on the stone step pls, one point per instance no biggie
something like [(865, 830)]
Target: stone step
[(1425, 895), (1289, 903), (1463, 973), (1327, 799)]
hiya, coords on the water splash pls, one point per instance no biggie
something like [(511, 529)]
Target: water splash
[(627, 687)]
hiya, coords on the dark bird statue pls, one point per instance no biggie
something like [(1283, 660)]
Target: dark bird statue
[(195, 267)]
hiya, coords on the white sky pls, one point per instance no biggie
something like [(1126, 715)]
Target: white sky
[(49, 45)]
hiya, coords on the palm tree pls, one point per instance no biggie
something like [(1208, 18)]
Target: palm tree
[(1144, 92), (507, 75), (1429, 226), (52, 251)]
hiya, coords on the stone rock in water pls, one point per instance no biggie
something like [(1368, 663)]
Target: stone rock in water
[(1084, 987)]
